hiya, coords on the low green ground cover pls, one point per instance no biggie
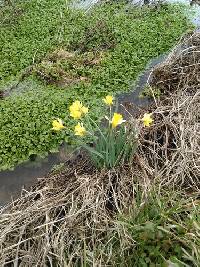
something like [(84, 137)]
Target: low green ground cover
[(112, 45), (161, 231)]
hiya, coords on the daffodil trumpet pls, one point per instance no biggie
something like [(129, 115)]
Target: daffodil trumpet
[(108, 100), (57, 125), (77, 110), (147, 119)]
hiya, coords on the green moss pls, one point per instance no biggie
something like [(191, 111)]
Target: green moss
[(130, 40)]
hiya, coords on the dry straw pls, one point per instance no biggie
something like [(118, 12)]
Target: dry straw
[(174, 142), (64, 213)]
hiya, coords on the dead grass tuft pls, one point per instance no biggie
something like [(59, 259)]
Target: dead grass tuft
[(173, 144), (54, 221), (180, 71)]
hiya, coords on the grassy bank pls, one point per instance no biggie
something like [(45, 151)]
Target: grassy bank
[(65, 220), (88, 55)]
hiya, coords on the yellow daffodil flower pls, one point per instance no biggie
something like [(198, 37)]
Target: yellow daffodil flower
[(76, 114), (147, 120), (80, 129), (76, 105), (117, 120), (108, 100), (57, 125), (84, 110), (77, 110)]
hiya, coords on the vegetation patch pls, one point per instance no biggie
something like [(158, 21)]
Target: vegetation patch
[(143, 212), (111, 47), (98, 37), (64, 68)]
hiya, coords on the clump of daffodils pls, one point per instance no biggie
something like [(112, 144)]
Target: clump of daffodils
[(113, 144)]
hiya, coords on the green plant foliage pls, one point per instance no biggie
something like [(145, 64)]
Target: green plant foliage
[(26, 122), (57, 168), (110, 147), (25, 127), (164, 230), (38, 28), (33, 32), (113, 148), (150, 92)]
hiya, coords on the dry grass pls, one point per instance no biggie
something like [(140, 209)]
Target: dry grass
[(54, 221), (174, 141), (66, 217), (180, 71)]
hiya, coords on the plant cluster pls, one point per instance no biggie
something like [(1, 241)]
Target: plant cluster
[(150, 92), (138, 34), (24, 127), (111, 145)]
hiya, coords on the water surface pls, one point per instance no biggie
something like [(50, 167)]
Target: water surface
[(26, 174)]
